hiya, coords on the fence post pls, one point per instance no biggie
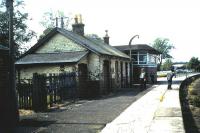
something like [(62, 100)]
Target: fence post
[(56, 88), (30, 89), (39, 93), (75, 89), (60, 87), (43, 92), (50, 90), (35, 101)]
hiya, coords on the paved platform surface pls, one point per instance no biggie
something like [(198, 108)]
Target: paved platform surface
[(84, 116), (158, 111)]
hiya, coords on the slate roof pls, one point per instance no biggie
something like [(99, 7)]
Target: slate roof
[(138, 47), (49, 58), (92, 45), (3, 47)]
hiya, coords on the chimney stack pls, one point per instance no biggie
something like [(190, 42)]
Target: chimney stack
[(78, 26), (106, 38)]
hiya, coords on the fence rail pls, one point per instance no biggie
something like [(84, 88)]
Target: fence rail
[(44, 91)]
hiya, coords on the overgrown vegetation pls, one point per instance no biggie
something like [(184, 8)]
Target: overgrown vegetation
[(22, 33), (194, 93), (190, 102), (166, 66), (194, 64), (49, 21), (164, 46)]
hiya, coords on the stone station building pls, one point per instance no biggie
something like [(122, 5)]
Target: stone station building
[(71, 51)]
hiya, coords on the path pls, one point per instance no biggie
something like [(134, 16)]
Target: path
[(158, 111)]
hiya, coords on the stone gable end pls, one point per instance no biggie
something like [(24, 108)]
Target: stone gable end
[(60, 43)]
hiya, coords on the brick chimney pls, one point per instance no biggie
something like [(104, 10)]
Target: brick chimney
[(78, 26), (106, 38)]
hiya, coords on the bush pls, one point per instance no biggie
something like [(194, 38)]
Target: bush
[(196, 101), (192, 91)]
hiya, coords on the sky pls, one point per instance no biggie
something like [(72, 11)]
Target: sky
[(177, 20)]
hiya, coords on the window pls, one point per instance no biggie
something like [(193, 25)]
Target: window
[(152, 59), (135, 58), (139, 57), (142, 58)]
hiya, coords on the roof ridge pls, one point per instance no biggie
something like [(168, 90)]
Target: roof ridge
[(104, 44), (95, 42)]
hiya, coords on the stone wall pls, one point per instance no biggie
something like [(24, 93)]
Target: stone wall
[(117, 74), (94, 66), (27, 72), (59, 43)]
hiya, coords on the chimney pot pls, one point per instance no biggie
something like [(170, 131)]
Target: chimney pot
[(76, 19), (106, 38), (78, 26), (80, 18)]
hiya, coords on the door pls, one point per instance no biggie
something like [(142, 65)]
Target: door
[(106, 76), (82, 77)]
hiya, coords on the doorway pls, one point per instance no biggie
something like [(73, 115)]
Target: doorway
[(82, 77), (106, 76)]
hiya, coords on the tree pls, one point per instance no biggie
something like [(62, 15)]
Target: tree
[(22, 34), (95, 37), (49, 21), (167, 65), (163, 45), (194, 64)]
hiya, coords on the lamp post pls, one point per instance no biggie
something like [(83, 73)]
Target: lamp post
[(131, 62)]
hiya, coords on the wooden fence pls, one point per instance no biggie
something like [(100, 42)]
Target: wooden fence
[(44, 91), (24, 89)]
